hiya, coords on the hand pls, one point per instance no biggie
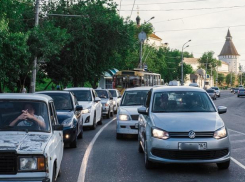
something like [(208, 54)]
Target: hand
[(27, 115)]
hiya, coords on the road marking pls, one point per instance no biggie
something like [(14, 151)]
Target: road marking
[(237, 132), (238, 163), (81, 177)]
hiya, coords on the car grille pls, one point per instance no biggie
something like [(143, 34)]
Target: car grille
[(186, 134), (134, 117), (185, 155), (8, 163)]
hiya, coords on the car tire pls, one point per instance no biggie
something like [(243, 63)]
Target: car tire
[(73, 144), (54, 173), (108, 114), (94, 123), (224, 165), (101, 118), (119, 136), (115, 112), (112, 113), (59, 174), (148, 164), (80, 136), (140, 150)]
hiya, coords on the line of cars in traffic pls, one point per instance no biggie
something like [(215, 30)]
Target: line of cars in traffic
[(35, 127), (175, 125), (240, 91)]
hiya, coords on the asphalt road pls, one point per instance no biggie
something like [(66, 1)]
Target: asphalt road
[(113, 160)]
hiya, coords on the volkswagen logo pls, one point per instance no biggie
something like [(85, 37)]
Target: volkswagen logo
[(192, 134)]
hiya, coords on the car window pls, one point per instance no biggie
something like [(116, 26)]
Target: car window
[(102, 94), (135, 97), (17, 116), (210, 91), (83, 95), (182, 101), (215, 88), (113, 93)]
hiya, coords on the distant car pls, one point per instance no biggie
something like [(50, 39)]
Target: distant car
[(31, 148), (211, 93), (92, 107), (232, 89), (69, 114), (127, 116), (191, 132), (193, 85), (116, 99), (240, 86), (241, 92), (217, 91), (107, 102), (235, 90)]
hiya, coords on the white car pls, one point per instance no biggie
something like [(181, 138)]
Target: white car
[(92, 107), (31, 140), (116, 99), (217, 91), (127, 115)]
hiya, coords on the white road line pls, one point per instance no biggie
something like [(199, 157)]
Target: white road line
[(81, 177), (237, 132), (238, 163)]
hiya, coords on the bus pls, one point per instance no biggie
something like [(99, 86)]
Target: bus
[(135, 78)]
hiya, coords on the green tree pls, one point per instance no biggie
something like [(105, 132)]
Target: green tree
[(221, 78), (228, 79), (241, 79)]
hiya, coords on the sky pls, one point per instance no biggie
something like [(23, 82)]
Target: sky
[(192, 14)]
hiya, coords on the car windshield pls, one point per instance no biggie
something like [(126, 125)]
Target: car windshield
[(83, 95), (182, 101), (210, 91), (23, 116), (242, 89), (215, 88), (102, 94), (131, 98), (62, 101), (113, 93)]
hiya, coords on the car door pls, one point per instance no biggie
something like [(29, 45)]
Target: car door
[(97, 106), (58, 144)]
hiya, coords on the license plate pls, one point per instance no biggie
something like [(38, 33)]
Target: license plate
[(136, 125), (192, 146)]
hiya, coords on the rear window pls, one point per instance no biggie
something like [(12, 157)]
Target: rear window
[(102, 94), (215, 88), (210, 91), (242, 89)]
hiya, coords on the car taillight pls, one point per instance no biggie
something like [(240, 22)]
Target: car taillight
[(238, 91)]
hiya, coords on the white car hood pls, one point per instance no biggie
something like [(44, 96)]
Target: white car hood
[(85, 104), (24, 142)]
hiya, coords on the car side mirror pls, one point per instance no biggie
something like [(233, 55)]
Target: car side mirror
[(119, 96), (143, 110), (58, 127), (97, 99), (79, 108), (222, 109)]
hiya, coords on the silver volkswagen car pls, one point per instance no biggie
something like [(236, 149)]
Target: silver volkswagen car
[(182, 125), (127, 116)]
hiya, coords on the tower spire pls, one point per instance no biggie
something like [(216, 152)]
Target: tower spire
[(138, 17)]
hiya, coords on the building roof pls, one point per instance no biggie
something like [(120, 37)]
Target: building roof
[(223, 62), (191, 60), (229, 48), (154, 36)]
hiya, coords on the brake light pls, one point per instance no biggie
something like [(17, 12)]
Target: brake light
[(238, 91)]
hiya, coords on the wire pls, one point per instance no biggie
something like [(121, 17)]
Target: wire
[(165, 3), (192, 9), (200, 28), (132, 9), (120, 7)]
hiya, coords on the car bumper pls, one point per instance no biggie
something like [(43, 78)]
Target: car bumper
[(241, 94), (86, 120), (127, 127), (157, 148), (105, 110), (26, 179), (71, 132)]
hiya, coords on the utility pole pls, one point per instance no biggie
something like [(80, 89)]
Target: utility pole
[(182, 63), (217, 76), (34, 69), (211, 75), (205, 73)]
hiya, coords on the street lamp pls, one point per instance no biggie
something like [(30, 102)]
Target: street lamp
[(142, 37), (182, 72)]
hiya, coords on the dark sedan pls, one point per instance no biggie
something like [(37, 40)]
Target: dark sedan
[(241, 92), (69, 114)]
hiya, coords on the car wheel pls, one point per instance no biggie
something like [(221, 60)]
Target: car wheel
[(148, 164), (238, 96), (80, 136), (119, 136), (101, 118), (108, 114), (59, 174), (224, 165), (54, 174), (94, 123), (115, 112), (73, 144), (112, 113)]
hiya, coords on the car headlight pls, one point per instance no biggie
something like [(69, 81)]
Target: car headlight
[(32, 164), (123, 117), (161, 134), (85, 111), (220, 133), (114, 102), (67, 122)]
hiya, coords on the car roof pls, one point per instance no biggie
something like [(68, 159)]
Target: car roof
[(56, 91), (78, 88), (139, 88), (178, 88), (25, 96)]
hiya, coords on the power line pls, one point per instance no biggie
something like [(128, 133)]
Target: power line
[(191, 9), (132, 9), (200, 28), (166, 3)]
